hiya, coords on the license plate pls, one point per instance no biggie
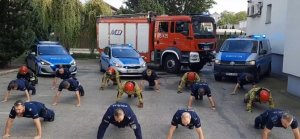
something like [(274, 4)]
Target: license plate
[(131, 71), (206, 48), (231, 74)]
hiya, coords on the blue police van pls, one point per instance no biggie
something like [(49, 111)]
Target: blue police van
[(250, 54)]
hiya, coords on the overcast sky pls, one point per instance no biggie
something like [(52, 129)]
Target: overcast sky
[(229, 5)]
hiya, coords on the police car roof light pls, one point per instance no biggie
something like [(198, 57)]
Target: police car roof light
[(257, 36)]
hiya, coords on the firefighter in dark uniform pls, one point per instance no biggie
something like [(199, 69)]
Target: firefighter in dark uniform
[(258, 94), (110, 74), (187, 118), (276, 118), (152, 78), (21, 85), (62, 73), (198, 90), (131, 88), (72, 85), (25, 73), (33, 110), (188, 78), (120, 115), (243, 79)]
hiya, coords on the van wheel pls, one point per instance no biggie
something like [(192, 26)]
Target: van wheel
[(269, 70), (218, 78), (196, 66), (171, 64)]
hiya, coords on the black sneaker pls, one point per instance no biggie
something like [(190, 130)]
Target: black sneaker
[(32, 93), (81, 93)]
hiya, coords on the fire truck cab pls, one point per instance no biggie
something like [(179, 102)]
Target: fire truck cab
[(170, 42)]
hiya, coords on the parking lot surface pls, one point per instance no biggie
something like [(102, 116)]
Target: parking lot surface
[(229, 121)]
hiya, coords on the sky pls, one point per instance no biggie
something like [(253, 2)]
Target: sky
[(229, 5)]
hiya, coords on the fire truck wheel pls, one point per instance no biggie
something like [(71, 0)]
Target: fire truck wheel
[(197, 66), (171, 64)]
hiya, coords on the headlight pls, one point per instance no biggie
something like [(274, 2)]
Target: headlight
[(73, 62), (217, 61), (44, 63), (252, 62), (117, 65), (144, 64)]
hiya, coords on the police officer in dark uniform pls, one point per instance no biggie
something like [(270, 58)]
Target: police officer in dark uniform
[(276, 118), (72, 85), (61, 73), (120, 115), (32, 110), (25, 73), (21, 85), (187, 118), (243, 79), (198, 90), (152, 78)]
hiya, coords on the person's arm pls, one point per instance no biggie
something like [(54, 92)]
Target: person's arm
[(156, 85), (103, 82), (265, 133), (296, 133), (235, 88), (251, 99), (104, 124), (78, 99), (27, 95), (197, 78), (142, 84), (138, 92), (38, 126), (271, 102), (8, 126), (56, 98), (118, 78), (199, 132), (212, 103), (133, 123), (191, 99), (54, 82), (182, 83), (171, 132), (6, 96)]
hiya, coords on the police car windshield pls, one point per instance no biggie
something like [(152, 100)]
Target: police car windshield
[(241, 46), (124, 52), (52, 50)]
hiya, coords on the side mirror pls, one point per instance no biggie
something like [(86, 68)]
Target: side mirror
[(263, 52), (33, 53)]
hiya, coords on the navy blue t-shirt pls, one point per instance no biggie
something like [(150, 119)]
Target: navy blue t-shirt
[(33, 110), (74, 85), (22, 84), (242, 79), (273, 119), (66, 75), (196, 86), (152, 77), (195, 120)]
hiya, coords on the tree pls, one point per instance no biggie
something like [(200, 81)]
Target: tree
[(231, 17), (16, 28), (141, 6), (92, 9)]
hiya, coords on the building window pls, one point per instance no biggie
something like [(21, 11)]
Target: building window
[(252, 10), (269, 12)]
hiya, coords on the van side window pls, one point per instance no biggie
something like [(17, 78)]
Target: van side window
[(163, 27), (182, 27), (107, 51), (261, 47), (266, 45)]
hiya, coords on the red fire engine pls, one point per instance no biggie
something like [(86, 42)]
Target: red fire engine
[(170, 42)]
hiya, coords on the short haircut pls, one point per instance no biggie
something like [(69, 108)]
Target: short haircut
[(201, 90), (18, 103), (118, 112), (13, 84), (65, 84), (287, 116)]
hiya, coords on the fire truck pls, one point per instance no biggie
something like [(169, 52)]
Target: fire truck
[(170, 42)]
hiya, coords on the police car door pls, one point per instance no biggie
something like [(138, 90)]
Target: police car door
[(105, 56)]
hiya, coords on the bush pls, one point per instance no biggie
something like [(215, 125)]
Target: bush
[(85, 56)]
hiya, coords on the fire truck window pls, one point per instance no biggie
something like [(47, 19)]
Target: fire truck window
[(172, 27), (182, 27), (163, 27)]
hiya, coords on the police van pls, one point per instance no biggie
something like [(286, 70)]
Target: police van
[(250, 54)]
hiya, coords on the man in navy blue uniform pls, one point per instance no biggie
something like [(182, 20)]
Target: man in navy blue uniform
[(243, 79), (152, 78), (187, 118), (198, 90), (21, 85), (61, 73), (72, 85), (120, 115), (276, 118), (32, 110)]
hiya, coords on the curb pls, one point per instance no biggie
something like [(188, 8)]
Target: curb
[(8, 71)]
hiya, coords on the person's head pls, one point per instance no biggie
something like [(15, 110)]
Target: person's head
[(119, 115), (110, 71), (19, 108), (148, 72), (61, 70), (186, 118), (23, 70), (13, 85), (249, 78), (201, 91), (65, 84), (191, 76), (264, 95), (129, 87), (286, 119)]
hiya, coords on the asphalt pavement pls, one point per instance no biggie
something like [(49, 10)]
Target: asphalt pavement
[(229, 121)]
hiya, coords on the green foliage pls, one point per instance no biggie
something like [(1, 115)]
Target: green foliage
[(141, 6), (231, 17), (16, 28)]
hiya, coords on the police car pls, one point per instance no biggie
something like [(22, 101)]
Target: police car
[(45, 57), (250, 54), (124, 58)]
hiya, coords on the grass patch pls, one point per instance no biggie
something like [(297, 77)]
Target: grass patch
[(85, 56)]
